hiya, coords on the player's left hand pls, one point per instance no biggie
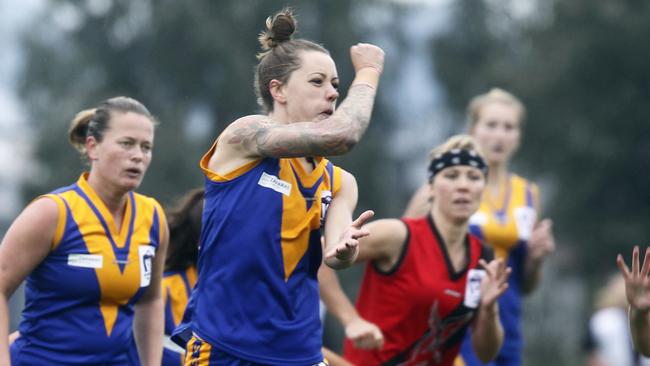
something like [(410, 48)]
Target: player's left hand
[(542, 241), (637, 283), (495, 282), (348, 247)]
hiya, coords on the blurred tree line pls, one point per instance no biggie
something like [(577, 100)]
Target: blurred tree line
[(579, 66), (190, 63)]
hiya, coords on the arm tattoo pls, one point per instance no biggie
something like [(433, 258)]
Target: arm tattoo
[(358, 108), (333, 136)]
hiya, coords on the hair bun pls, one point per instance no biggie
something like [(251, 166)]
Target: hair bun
[(78, 129), (279, 28)]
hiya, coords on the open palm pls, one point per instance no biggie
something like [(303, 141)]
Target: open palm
[(495, 283), (637, 284)]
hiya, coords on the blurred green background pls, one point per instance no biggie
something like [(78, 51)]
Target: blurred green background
[(580, 67)]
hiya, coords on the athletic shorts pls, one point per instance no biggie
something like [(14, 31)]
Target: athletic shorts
[(201, 353)]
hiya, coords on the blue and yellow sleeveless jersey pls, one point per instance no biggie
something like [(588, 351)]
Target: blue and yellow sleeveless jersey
[(79, 300), (506, 227), (257, 293), (176, 288)]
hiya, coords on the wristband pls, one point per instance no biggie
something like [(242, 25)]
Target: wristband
[(367, 76)]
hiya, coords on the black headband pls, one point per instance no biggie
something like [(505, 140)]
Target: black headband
[(456, 157)]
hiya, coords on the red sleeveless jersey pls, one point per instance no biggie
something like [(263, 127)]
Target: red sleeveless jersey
[(419, 303)]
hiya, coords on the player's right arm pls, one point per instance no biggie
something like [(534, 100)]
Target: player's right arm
[(27, 242), (255, 136)]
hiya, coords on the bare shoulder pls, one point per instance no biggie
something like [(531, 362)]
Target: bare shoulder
[(35, 225), (42, 210), (348, 178), (237, 144), (246, 129)]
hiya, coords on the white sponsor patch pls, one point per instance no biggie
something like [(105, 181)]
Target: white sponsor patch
[(86, 260), (525, 219), (473, 288), (146, 253), (275, 183), (478, 219)]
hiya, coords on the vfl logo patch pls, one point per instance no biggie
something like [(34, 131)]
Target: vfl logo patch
[(86, 260), (473, 287), (275, 183), (325, 201), (478, 219), (146, 253), (525, 219)]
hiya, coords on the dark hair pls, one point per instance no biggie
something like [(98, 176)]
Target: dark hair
[(184, 231), (95, 121), (280, 55)]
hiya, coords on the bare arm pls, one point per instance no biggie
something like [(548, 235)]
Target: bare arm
[(420, 203), (637, 289), (25, 245), (540, 245), (363, 334), (341, 233), (384, 243), (148, 322), (487, 333), (252, 137), (256, 136)]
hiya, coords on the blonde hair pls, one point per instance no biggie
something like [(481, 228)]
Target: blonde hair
[(79, 128), (463, 142), (495, 95)]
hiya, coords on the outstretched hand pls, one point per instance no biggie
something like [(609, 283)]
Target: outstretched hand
[(364, 335), (347, 249), (495, 282), (637, 284)]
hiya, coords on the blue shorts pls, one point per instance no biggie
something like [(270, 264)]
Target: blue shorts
[(467, 357), (201, 353)]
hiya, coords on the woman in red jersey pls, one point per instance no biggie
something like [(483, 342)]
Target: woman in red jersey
[(427, 279)]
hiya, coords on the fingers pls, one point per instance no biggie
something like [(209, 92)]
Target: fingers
[(635, 260), (646, 264), (493, 268), (370, 339), (367, 55), (358, 234), (620, 262), (482, 263), (546, 224), (344, 251), (349, 245), (362, 219)]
